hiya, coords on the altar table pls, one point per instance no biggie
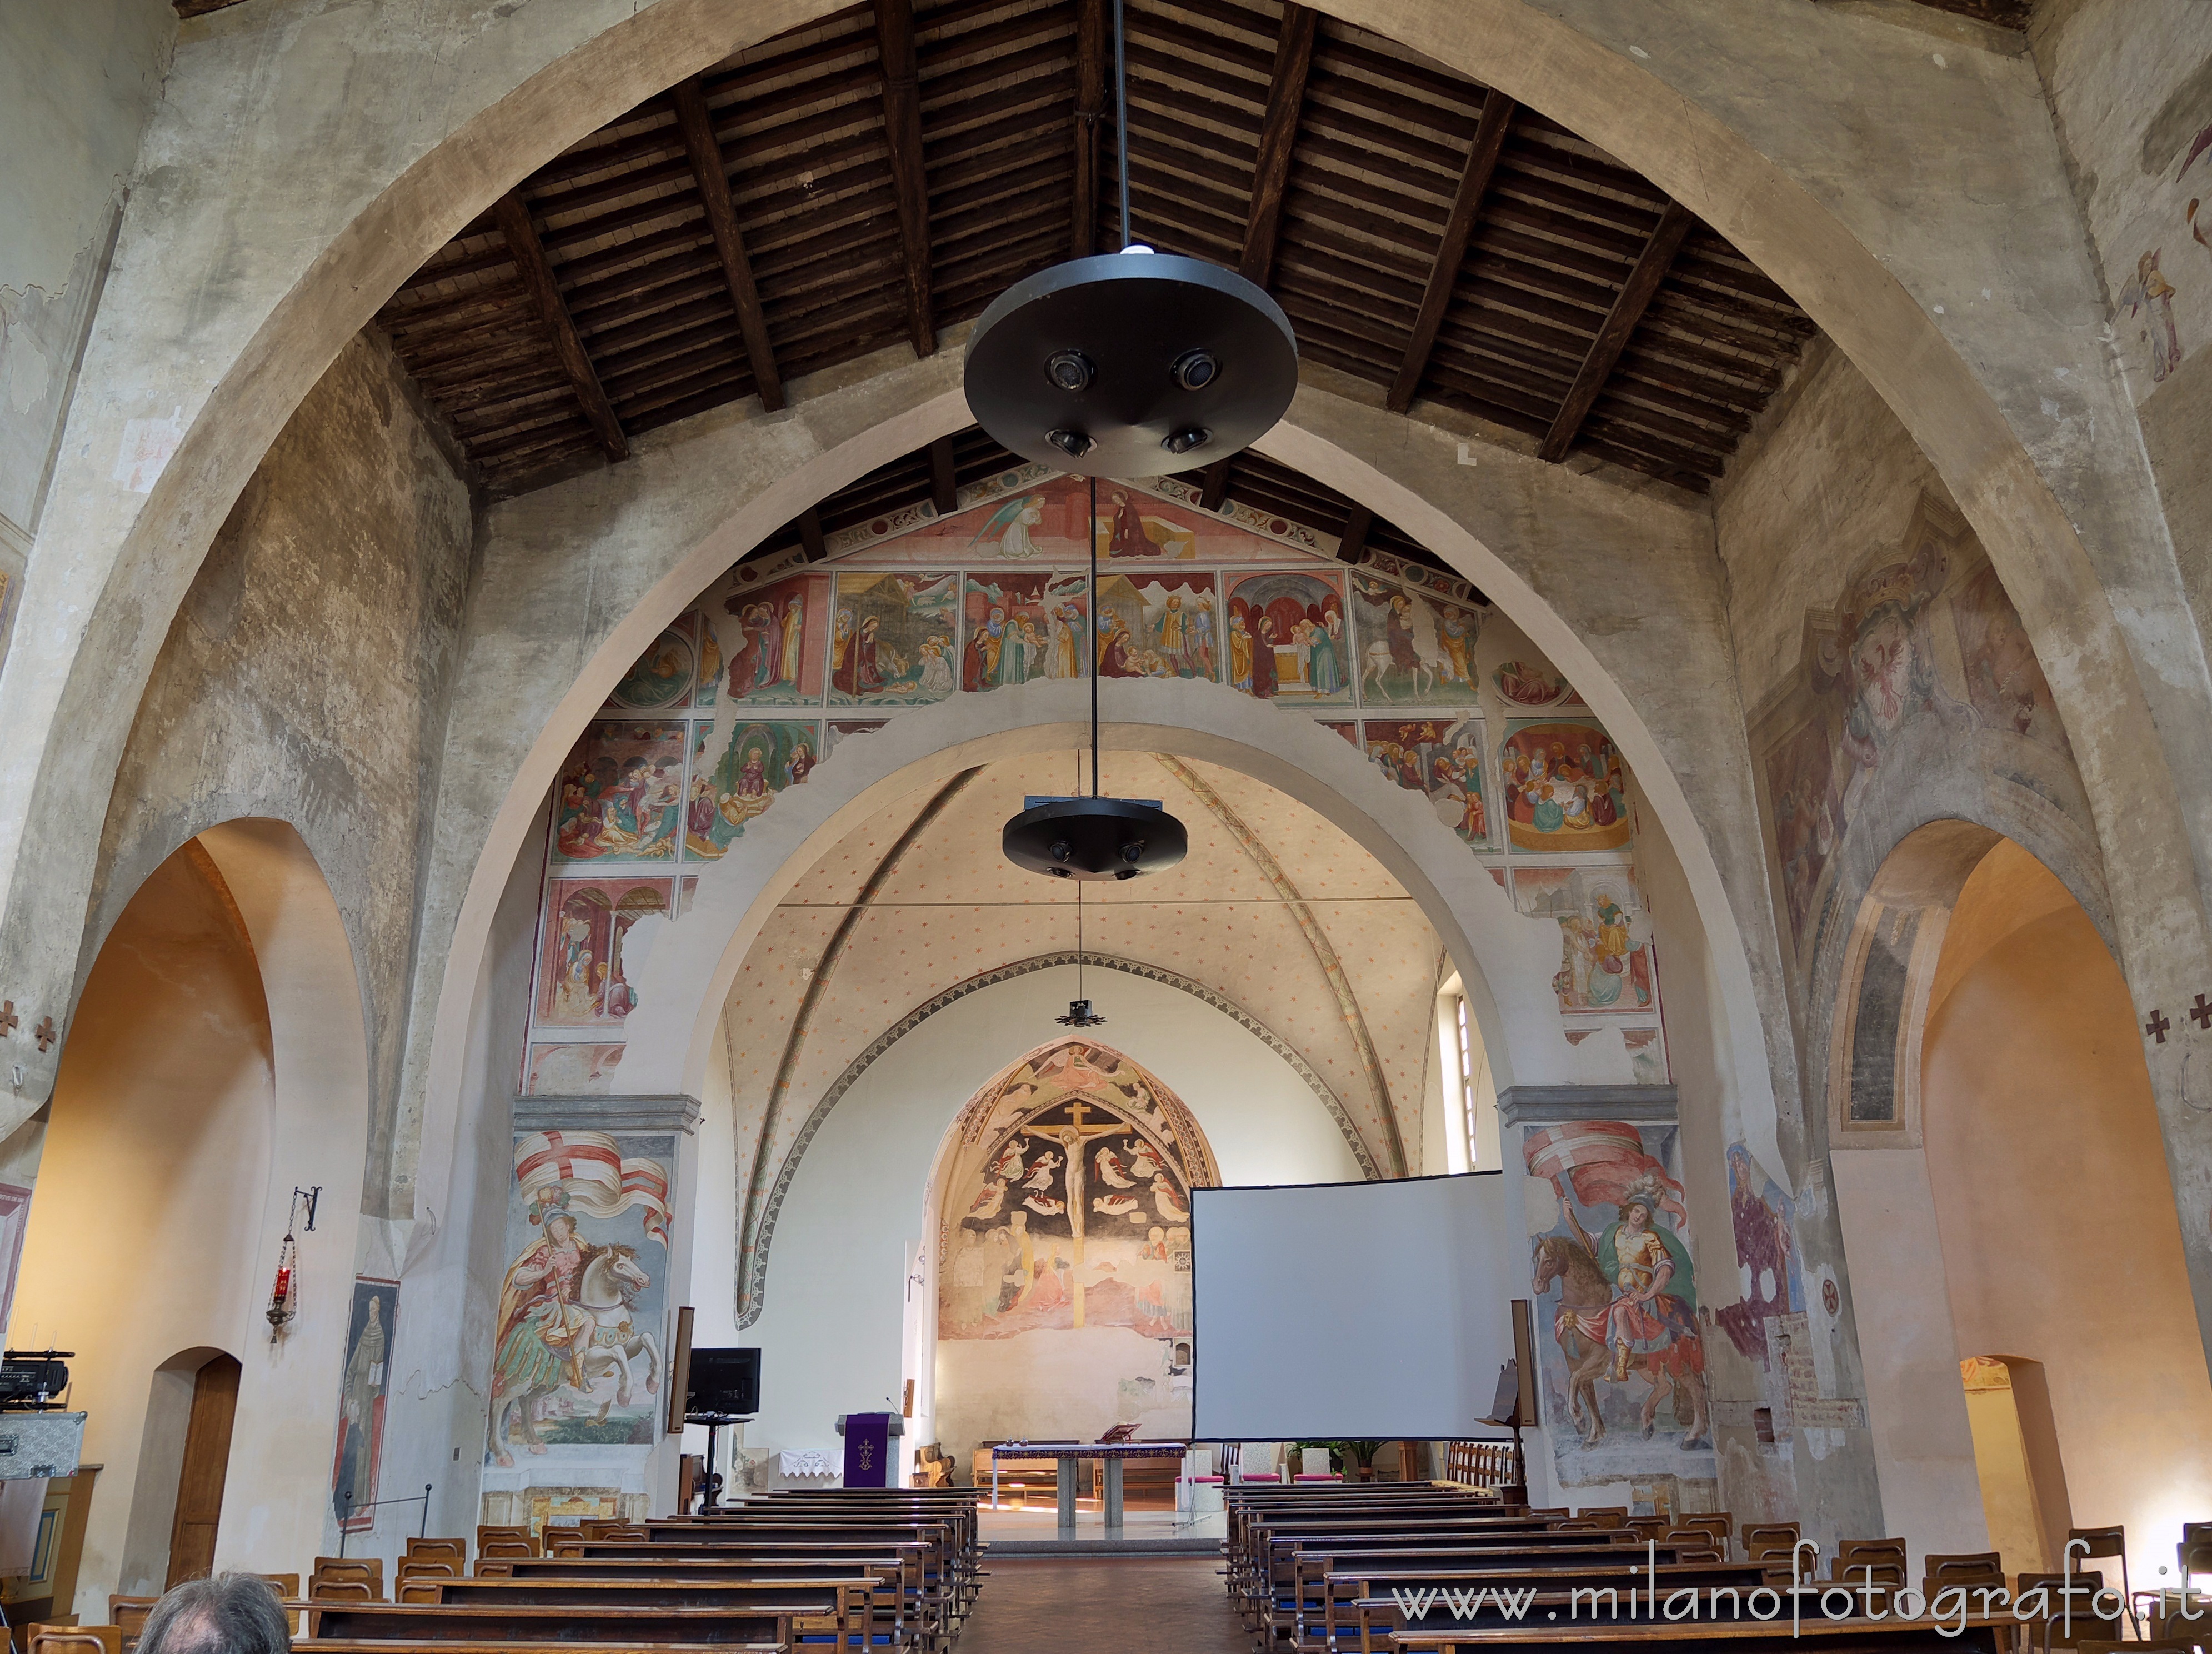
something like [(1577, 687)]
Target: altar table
[(1071, 1455)]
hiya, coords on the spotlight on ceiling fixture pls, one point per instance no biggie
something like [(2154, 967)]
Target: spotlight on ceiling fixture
[(1117, 367), (1095, 838), (1079, 1015)]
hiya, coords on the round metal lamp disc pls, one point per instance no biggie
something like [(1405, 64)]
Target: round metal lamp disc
[(1095, 838), (1101, 351)]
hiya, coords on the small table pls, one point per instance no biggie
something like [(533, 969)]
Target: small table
[(1071, 1455)]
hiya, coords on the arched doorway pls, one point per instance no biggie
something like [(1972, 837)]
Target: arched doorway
[(216, 1064), (2016, 1255)]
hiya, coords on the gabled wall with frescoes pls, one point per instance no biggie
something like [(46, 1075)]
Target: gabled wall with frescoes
[(781, 661)]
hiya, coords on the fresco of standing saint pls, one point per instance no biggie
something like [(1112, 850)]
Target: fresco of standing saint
[(772, 639)]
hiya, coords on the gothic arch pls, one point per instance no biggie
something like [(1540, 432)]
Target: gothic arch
[(752, 1287)]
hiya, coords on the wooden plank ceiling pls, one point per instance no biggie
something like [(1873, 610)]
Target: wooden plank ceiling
[(882, 175)]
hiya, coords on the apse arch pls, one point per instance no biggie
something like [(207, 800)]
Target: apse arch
[(753, 1260)]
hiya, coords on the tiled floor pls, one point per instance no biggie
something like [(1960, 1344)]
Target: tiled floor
[(1103, 1605)]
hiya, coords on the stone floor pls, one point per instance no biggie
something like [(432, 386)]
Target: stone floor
[(1103, 1605)]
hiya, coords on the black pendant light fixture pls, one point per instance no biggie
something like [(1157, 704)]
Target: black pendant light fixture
[(1134, 364), (1129, 364)]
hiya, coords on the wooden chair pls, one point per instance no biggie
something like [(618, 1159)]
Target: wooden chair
[(1852, 1552), (343, 1590), (1765, 1538), (428, 1567), (2061, 1628), (1717, 1524), (284, 1584), (504, 1550), (74, 1639), (1652, 1528), (128, 1614), (1695, 1545), (2094, 1544), (1613, 1516), (369, 1570), (516, 1531), (1967, 1569), (455, 1551), (422, 1589)]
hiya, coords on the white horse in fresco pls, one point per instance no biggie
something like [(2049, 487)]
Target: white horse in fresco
[(605, 1292), (1379, 667)]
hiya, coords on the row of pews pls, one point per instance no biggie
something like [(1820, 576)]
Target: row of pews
[(827, 1571), (1399, 1568)]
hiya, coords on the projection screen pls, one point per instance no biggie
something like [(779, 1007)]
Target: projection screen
[(1323, 1311)]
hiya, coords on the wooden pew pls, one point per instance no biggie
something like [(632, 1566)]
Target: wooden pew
[(431, 1626), (1981, 1635), (924, 1590), (878, 1581), (1374, 1601), (842, 1611)]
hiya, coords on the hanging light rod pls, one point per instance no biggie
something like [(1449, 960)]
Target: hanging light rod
[(1122, 366)]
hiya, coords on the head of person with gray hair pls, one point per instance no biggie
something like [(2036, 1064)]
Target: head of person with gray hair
[(228, 1613)]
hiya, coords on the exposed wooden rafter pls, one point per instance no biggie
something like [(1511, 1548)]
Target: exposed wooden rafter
[(1443, 270), (1353, 171), (1359, 523), (1620, 322), (711, 173), (944, 477), (1271, 174), (809, 535), (1278, 135), (1093, 48), (902, 133), (513, 215)]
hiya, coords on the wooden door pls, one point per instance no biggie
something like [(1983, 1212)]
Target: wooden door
[(207, 1456)]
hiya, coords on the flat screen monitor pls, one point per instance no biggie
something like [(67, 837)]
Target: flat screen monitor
[(726, 1381)]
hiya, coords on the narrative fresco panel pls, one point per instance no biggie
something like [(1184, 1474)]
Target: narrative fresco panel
[(577, 1362), (1620, 1352)]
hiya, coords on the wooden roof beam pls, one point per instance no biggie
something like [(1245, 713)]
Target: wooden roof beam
[(1278, 131), (513, 216), (1093, 52), (713, 179), (902, 133), (1270, 177), (809, 535), (944, 477), (1358, 526), (1490, 131), (1628, 307)]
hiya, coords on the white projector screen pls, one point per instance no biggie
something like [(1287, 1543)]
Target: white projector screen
[(1323, 1311)]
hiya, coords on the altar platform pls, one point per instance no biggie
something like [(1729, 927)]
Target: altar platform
[(1036, 1531)]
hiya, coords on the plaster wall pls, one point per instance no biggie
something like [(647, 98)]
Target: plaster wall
[(2130, 88), (306, 677), (2037, 1115), (1923, 1445), (77, 84), (829, 1333), (144, 1238)]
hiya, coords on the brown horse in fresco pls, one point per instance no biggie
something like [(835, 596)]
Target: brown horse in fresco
[(1679, 1369)]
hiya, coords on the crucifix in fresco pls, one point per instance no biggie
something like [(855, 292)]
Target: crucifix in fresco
[(1072, 1138)]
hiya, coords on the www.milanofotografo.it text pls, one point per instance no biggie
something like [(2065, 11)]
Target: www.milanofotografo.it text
[(1949, 1611)]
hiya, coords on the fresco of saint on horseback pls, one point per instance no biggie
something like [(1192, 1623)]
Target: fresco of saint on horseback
[(1628, 1305)]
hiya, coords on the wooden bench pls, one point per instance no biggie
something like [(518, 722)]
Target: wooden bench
[(433, 1625), (1981, 1635)]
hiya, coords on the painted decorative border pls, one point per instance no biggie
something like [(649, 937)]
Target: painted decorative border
[(752, 1294)]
